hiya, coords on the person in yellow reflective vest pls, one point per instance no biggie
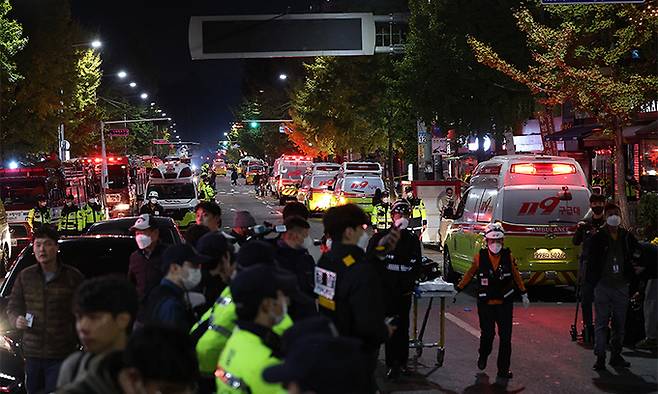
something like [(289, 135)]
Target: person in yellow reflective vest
[(260, 298), (40, 214), (381, 212), (72, 221), (206, 192), (217, 324), (93, 212), (418, 219)]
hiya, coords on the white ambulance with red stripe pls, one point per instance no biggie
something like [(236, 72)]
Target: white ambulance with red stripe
[(539, 200)]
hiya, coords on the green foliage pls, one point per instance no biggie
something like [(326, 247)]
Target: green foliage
[(11, 42), (442, 78), (263, 141), (647, 215)]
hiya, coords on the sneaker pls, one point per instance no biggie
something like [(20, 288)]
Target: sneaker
[(618, 361), (647, 344), (505, 374), (482, 362), (600, 363)]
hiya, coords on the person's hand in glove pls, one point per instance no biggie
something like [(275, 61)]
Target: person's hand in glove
[(526, 301)]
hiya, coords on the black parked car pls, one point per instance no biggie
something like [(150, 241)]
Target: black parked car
[(92, 255), (169, 232)]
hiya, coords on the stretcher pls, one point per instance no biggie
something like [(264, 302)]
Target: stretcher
[(433, 289)]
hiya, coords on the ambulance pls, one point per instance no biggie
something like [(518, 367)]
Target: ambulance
[(177, 191), (539, 200), (287, 174), (314, 191), (356, 183)]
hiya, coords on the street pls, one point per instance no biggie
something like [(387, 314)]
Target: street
[(544, 359)]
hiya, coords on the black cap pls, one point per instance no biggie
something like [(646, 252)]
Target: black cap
[(316, 361), (212, 244), (315, 325), (255, 252), (178, 254), (253, 284)]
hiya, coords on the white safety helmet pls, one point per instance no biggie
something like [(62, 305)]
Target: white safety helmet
[(494, 231), (153, 194)]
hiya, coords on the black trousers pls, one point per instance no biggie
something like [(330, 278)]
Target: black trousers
[(398, 287), (490, 317)]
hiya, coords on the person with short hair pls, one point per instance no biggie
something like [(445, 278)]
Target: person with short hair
[(610, 272), (39, 214), (144, 267), (243, 224), (71, 220), (40, 307), (194, 233), (157, 359), (167, 304), (105, 309), (295, 208), (93, 212), (209, 214), (293, 256)]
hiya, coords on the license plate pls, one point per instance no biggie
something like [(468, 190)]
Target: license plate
[(552, 254)]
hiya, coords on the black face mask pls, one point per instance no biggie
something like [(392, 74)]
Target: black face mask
[(597, 210)]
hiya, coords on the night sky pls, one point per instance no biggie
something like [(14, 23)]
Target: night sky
[(149, 40)]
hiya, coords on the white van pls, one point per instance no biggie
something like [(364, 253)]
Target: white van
[(177, 191)]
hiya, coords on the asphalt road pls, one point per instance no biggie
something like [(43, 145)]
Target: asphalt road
[(544, 359)]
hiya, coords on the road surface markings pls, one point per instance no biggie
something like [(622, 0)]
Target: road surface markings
[(462, 324)]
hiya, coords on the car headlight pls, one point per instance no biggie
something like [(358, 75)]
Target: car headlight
[(122, 207)]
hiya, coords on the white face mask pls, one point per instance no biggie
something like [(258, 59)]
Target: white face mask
[(496, 247), (143, 241), (328, 243), (613, 220), (279, 318), (153, 200), (402, 223), (192, 279), (93, 201), (363, 241)]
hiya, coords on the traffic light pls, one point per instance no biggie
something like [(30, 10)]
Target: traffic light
[(253, 125)]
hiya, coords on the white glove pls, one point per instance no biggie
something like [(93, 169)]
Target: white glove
[(526, 301)]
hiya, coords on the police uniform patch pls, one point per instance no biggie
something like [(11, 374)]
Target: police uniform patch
[(348, 260)]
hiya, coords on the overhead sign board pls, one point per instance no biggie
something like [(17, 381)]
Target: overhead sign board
[(118, 132), (565, 2), (288, 35)]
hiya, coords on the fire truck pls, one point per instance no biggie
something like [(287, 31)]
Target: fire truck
[(19, 188), (287, 174)]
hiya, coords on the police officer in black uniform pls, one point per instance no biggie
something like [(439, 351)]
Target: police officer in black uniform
[(399, 271), (348, 285)]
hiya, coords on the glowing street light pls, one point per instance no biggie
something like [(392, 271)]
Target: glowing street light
[(164, 114), (96, 44), (13, 165), (283, 77), (133, 84), (144, 96), (153, 104), (122, 74)]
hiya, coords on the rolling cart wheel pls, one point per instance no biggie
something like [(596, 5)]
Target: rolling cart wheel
[(574, 333), (440, 355)]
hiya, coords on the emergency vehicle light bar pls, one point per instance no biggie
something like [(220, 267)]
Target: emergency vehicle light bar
[(543, 168)]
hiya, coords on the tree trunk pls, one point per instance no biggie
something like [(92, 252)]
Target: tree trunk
[(391, 173), (620, 177)]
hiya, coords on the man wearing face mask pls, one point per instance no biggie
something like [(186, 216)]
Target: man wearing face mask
[(167, 304), (398, 276), (292, 256), (93, 212), (40, 214), (259, 294), (587, 228), (144, 269), (498, 279), (609, 272), (71, 221), (152, 207), (381, 212), (347, 284), (418, 219)]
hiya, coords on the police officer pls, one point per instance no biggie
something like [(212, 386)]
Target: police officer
[(152, 207), (418, 220), (206, 192), (348, 285), (381, 211), (399, 275), (71, 221), (259, 296), (93, 212), (40, 214), (498, 278)]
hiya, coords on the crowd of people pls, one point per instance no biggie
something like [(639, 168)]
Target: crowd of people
[(238, 313)]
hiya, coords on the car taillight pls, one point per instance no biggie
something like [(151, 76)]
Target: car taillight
[(543, 168)]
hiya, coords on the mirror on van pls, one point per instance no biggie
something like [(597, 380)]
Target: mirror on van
[(565, 194)]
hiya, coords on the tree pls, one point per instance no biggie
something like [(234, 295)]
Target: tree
[(11, 43), (262, 140), (443, 80), (584, 55)]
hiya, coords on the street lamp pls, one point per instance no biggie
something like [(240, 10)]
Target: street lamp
[(283, 77), (122, 74), (96, 44), (144, 96), (225, 134), (164, 114), (133, 84)]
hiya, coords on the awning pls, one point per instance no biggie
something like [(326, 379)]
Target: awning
[(573, 133)]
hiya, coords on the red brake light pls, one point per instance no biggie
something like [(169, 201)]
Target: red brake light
[(543, 168), (98, 160)]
